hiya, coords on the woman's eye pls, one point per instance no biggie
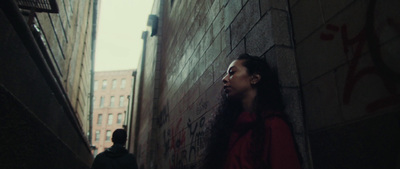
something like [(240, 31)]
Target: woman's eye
[(231, 72)]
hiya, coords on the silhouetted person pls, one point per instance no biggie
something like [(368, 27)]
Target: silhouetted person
[(116, 157)]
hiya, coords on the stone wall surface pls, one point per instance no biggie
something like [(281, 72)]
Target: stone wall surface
[(346, 55), (337, 68), (197, 40), (43, 119)]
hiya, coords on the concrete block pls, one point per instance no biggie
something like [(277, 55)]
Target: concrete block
[(364, 92), (267, 5), (206, 41), (194, 92), (213, 94), (389, 54), (207, 19), (245, 20), (220, 65), (207, 79), (331, 8), (316, 56), (285, 65), (386, 24), (321, 103), (226, 40), (293, 2), (306, 17), (214, 50), (199, 33), (201, 66), (231, 9), (213, 12), (223, 2), (294, 109), (236, 51), (369, 143), (218, 23), (271, 30)]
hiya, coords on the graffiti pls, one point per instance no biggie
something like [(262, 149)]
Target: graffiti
[(174, 140), (181, 151), (166, 141), (164, 116), (178, 160), (353, 48), (196, 137), (202, 106)]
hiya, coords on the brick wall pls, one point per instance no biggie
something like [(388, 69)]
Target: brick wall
[(45, 86), (336, 63), (119, 106), (197, 41), (68, 36)]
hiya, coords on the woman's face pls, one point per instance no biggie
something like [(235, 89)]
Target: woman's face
[(237, 82)]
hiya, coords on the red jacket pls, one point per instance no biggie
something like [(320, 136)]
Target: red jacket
[(279, 150)]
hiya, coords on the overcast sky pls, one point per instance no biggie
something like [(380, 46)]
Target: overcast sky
[(120, 27)]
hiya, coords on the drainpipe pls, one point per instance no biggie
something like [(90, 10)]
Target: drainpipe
[(92, 57)]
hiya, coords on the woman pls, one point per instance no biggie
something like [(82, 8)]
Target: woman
[(250, 130)]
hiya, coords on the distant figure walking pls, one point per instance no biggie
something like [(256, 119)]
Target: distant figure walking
[(116, 157)]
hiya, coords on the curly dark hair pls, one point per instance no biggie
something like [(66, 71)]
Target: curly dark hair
[(268, 99)]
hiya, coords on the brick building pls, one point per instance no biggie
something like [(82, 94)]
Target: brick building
[(337, 63), (112, 90), (46, 54)]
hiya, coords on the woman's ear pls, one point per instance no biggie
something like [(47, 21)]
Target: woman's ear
[(255, 78)]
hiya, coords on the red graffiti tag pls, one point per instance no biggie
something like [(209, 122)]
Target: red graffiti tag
[(357, 44)]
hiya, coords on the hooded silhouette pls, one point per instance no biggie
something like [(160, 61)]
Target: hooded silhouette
[(116, 157)]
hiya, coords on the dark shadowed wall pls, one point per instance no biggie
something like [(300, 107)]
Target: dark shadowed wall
[(45, 75), (336, 63)]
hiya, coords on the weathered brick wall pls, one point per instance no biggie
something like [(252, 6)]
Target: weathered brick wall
[(347, 53), (38, 129), (336, 62), (198, 40), (68, 36), (145, 99)]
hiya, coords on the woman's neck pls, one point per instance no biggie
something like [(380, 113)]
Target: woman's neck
[(247, 102)]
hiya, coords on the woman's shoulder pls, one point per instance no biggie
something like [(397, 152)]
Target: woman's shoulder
[(275, 121)]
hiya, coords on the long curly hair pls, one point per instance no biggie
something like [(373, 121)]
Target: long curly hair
[(268, 99)]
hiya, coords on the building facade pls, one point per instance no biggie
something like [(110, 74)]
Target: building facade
[(46, 59), (112, 90), (336, 62)]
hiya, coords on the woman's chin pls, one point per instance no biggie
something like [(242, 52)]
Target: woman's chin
[(232, 96)]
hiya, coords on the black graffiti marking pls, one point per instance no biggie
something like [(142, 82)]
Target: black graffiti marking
[(164, 116), (203, 105), (196, 137)]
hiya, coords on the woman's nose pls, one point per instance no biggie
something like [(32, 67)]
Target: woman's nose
[(224, 79)]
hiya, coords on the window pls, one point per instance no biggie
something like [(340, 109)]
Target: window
[(104, 86), (101, 101), (93, 101), (123, 83), (97, 136), (121, 101), (119, 118), (95, 152), (110, 119), (99, 118), (95, 85), (114, 84), (108, 135), (112, 101)]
